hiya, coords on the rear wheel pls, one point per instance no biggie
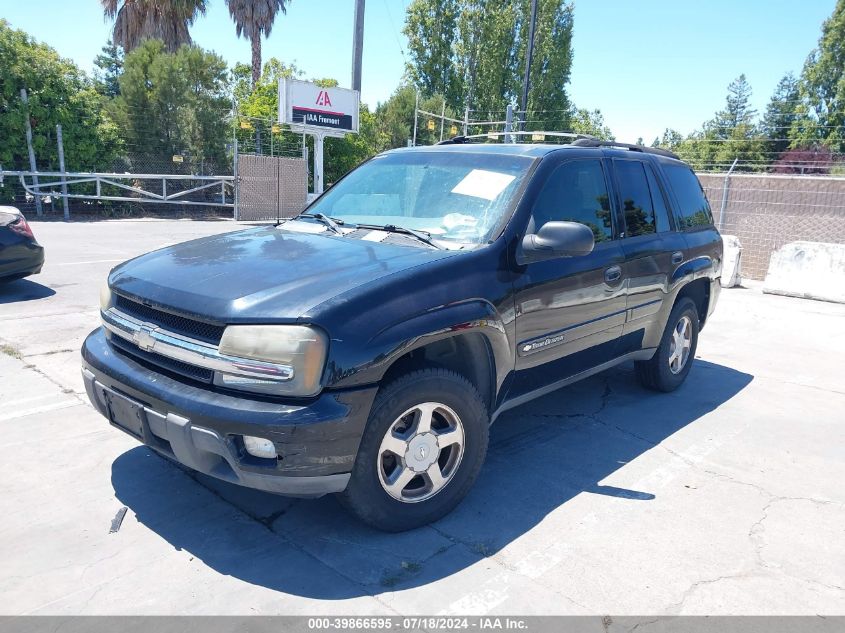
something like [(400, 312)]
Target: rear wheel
[(671, 363), (422, 450)]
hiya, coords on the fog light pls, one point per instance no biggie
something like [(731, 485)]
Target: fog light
[(259, 447)]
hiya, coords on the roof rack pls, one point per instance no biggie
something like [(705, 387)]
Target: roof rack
[(594, 142), (580, 140), (456, 140)]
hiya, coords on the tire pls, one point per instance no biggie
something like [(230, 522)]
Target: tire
[(455, 405), (666, 371)]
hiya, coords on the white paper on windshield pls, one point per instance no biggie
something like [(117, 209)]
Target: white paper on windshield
[(375, 236), (480, 183)]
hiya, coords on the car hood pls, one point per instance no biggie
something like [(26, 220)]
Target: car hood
[(265, 274)]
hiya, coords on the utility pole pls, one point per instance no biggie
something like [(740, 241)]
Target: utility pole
[(416, 107), (61, 148), (318, 162), (32, 165), (509, 124), (357, 45), (236, 182), (528, 56)]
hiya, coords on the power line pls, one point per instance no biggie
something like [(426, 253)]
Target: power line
[(394, 31)]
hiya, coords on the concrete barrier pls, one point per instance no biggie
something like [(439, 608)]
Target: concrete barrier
[(731, 262), (812, 270)]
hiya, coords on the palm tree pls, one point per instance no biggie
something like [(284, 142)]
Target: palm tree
[(166, 20), (254, 18)]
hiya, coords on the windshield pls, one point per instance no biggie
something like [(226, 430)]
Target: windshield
[(457, 197)]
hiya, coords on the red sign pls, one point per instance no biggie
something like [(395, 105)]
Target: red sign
[(323, 99)]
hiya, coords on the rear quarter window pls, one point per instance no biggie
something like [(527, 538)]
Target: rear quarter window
[(693, 208)]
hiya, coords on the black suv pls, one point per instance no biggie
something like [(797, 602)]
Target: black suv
[(365, 346)]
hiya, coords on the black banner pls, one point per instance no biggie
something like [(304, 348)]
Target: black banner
[(322, 118)]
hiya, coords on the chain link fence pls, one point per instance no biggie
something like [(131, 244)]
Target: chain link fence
[(767, 211), (272, 171), (264, 137), (270, 187), (209, 151)]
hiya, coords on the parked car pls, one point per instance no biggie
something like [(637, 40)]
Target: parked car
[(364, 347), (20, 254)]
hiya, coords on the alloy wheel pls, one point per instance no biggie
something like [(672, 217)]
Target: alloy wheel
[(421, 452), (679, 345)]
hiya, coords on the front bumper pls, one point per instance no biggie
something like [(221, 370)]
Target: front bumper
[(317, 440)]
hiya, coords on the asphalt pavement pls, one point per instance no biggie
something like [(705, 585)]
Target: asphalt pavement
[(724, 497)]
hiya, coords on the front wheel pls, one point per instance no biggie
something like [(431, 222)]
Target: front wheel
[(671, 363), (421, 452)]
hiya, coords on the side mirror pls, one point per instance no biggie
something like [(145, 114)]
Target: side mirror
[(556, 239)]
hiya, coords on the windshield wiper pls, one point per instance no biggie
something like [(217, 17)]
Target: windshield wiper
[(422, 236), (332, 223)]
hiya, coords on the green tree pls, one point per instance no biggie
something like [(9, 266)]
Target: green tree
[(343, 154), (59, 93), (475, 57), (821, 114), (487, 50), (780, 115), (174, 103), (585, 121), (165, 20), (108, 68), (548, 101), (731, 135), (431, 29), (254, 19), (707, 150), (428, 127), (670, 140), (258, 107), (395, 118), (738, 110)]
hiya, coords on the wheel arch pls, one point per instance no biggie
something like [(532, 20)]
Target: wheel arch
[(698, 290), (468, 354), (468, 338)]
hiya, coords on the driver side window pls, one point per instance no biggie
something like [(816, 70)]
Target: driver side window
[(576, 192)]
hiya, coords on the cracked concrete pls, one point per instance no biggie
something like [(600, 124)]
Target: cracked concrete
[(725, 497)]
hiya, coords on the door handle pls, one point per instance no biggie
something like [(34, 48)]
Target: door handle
[(613, 274), (677, 257)]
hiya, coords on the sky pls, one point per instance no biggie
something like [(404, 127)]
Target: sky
[(646, 64)]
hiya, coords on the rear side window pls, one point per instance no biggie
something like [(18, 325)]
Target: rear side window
[(661, 211), (694, 209), (642, 202), (576, 192)]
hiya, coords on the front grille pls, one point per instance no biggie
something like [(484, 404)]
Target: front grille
[(199, 330), (159, 362)]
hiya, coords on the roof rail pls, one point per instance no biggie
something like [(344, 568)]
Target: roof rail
[(455, 140), (594, 142), (579, 140)]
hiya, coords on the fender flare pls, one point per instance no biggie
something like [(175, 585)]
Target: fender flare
[(473, 316), (692, 270)]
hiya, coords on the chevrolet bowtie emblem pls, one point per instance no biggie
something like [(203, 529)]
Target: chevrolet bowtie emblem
[(143, 338)]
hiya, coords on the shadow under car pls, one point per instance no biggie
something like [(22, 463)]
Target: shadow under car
[(541, 456)]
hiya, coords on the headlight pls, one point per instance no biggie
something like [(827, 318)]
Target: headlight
[(298, 348), (105, 297)]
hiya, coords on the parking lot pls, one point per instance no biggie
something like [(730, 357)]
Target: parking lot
[(724, 497)]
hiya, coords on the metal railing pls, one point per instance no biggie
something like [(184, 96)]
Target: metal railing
[(140, 184)]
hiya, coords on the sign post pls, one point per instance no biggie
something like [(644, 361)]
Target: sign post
[(320, 111)]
